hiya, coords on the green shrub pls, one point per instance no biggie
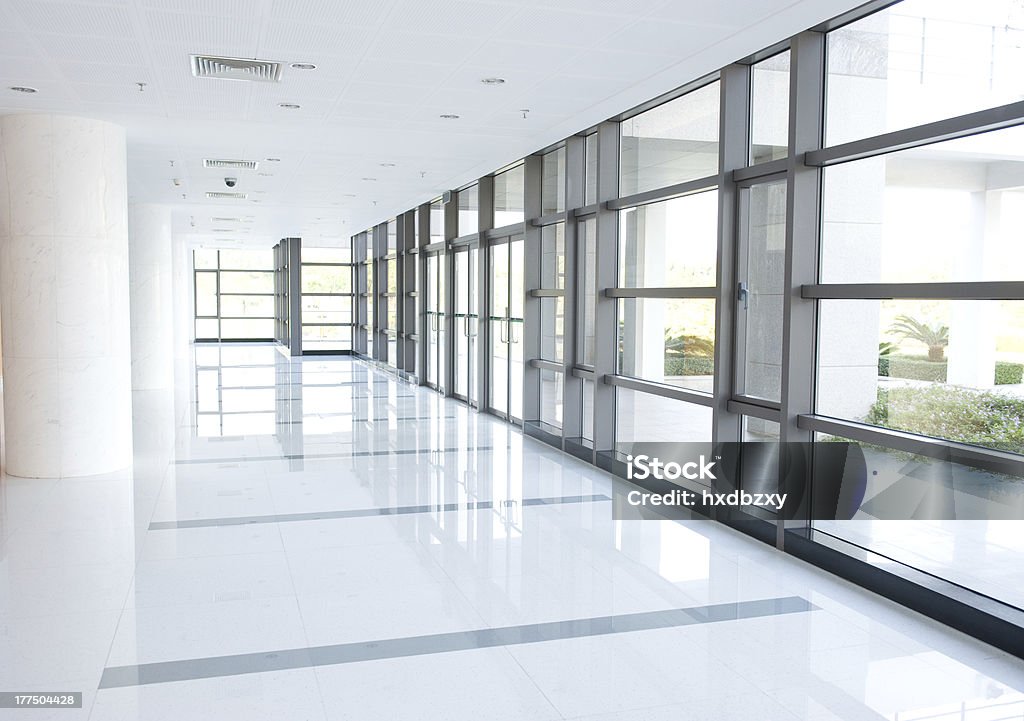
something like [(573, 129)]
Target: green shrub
[(1009, 373), (676, 365), (918, 369), (958, 414)]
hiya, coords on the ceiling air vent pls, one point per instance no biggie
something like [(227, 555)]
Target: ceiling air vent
[(220, 195), (261, 71), (230, 164)]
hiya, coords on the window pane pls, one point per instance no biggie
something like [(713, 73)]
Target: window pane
[(326, 303), (672, 143), (590, 171), (207, 329), (247, 259), (258, 329), (325, 334), (588, 410), (243, 282), (645, 418), (392, 270), (948, 369), (392, 235), (553, 182), (206, 294), (758, 429), (469, 204), (769, 109), (436, 222), (943, 212), (552, 320), (921, 61), (316, 312), (204, 257), (763, 272), (551, 398), (972, 552), (508, 197), (588, 287), (247, 306), (670, 244), (668, 340), (552, 260), (326, 279), (326, 255)]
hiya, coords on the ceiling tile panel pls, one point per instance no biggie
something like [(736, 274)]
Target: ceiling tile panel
[(298, 38), (453, 17), (210, 34), (61, 18), (332, 12), (517, 55), (113, 51), (417, 47), (223, 8), (665, 38), (551, 27)]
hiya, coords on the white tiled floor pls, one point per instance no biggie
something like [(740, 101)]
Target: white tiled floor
[(84, 583)]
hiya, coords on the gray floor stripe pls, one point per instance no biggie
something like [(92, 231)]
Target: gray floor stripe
[(365, 512), (308, 456), (219, 666), (337, 415)]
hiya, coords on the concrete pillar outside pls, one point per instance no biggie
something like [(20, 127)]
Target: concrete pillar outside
[(972, 323), (64, 296), (149, 246)]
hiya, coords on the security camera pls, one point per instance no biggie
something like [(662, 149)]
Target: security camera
[(230, 182)]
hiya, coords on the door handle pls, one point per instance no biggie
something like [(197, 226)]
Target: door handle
[(743, 294)]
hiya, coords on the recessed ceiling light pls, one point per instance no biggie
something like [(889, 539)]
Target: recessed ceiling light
[(303, 66), (23, 89), (449, 116), (493, 81), (288, 106)]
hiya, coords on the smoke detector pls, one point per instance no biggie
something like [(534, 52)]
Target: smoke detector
[(212, 66)]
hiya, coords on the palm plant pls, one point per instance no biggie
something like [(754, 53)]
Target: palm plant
[(935, 337)]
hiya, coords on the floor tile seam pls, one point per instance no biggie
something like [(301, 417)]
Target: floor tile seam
[(534, 682)]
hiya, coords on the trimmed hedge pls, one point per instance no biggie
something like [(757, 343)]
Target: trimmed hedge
[(958, 414), (689, 365), (919, 368), (1008, 374)]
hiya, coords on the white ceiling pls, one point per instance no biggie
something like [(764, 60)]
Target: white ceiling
[(386, 70)]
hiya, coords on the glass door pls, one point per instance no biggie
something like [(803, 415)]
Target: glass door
[(435, 321), (465, 322), (505, 320)]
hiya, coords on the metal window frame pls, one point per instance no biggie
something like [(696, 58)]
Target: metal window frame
[(801, 170)]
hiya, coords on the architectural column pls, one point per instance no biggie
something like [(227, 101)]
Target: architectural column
[(152, 316), (64, 296)]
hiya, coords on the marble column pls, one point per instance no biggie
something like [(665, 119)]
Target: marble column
[(64, 296), (149, 277)]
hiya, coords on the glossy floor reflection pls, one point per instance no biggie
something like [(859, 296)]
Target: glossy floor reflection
[(313, 539)]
